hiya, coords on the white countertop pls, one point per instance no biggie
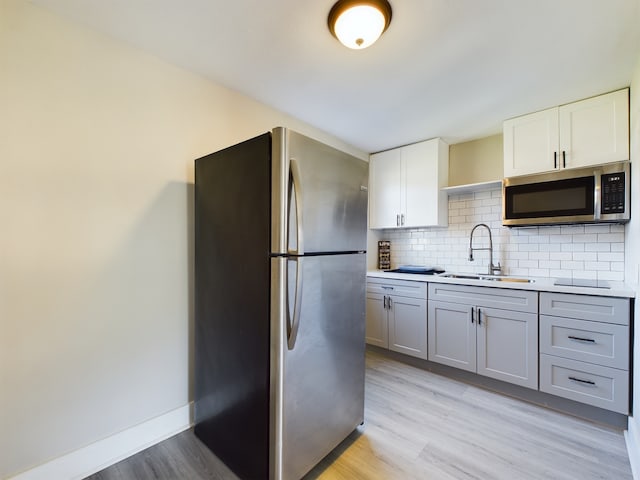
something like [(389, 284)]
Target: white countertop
[(540, 284)]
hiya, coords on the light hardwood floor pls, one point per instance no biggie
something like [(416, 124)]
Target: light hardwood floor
[(419, 425)]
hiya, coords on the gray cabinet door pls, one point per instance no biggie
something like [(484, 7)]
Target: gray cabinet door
[(408, 326), (452, 335), (376, 332), (508, 346)]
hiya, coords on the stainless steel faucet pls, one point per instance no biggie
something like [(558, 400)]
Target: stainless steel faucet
[(493, 269)]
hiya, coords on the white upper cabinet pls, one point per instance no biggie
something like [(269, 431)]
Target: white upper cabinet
[(405, 183), (385, 190), (595, 130), (588, 132), (531, 143)]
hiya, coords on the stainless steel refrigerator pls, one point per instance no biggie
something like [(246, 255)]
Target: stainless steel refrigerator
[(280, 240)]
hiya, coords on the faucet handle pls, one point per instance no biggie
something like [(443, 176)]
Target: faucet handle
[(496, 270)]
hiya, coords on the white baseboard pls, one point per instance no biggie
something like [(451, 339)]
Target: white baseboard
[(632, 438), (103, 453)]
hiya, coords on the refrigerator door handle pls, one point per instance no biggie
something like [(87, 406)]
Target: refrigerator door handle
[(293, 321), (294, 169)]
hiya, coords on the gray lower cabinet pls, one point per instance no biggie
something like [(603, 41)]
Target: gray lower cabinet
[(490, 331), (584, 349), (397, 316)]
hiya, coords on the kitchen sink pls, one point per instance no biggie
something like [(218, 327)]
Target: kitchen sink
[(462, 275), (508, 279), (469, 276)]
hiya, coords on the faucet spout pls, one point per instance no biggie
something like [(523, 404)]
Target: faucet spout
[(492, 269)]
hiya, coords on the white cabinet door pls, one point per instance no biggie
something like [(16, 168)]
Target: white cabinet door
[(408, 326), (376, 329), (425, 172), (385, 189), (595, 130), (531, 143), (508, 346), (452, 335)]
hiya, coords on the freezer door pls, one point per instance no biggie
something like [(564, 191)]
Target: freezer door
[(319, 197), (318, 378)]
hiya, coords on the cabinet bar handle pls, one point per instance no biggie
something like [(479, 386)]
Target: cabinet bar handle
[(473, 312), (564, 159), (384, 302), (398, 220), (578, 339), (402, 219), (387, 288), (555, 159), (479, 316), (588, 382), (389, 303)]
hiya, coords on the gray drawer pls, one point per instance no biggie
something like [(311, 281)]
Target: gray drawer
[(604, 344), (404, 288), (519, 300), (599, 386), (585, 307)]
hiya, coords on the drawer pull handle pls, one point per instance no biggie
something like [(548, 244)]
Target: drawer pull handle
[(579, 339), (588, 382), (387, 288)]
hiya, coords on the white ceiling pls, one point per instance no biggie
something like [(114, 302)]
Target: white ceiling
[(445, 68)]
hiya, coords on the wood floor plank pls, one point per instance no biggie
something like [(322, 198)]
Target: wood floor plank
[(420, 425)]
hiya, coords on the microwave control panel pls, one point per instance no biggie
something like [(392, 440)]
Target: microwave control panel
[(612, 193)]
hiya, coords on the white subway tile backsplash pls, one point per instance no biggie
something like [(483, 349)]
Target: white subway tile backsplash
[(572, 247), (539, 255), (550, 264), (611, 257), (597, 266), (597, 228), (614, 276), (585, 256), (572, 265), (617, 247), (611, 237), (585, 238), (597, 247), (528, 264), (539, 272), (617, 266), (571, 229), (580, 251), (561, 256)]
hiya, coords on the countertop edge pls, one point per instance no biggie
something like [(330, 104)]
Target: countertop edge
[(540, 284)]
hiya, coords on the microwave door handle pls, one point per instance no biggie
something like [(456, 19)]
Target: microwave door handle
[(596, 196)]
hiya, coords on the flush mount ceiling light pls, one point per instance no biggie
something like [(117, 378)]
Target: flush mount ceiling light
[(359, 23)]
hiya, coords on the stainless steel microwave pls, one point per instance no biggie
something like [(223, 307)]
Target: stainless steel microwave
[(595, 194)]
